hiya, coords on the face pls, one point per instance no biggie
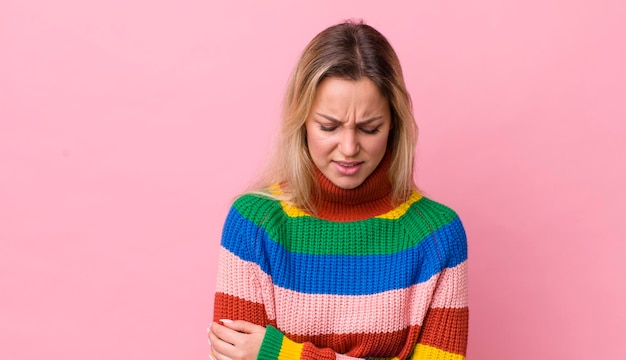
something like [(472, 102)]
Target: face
[(347, 130)]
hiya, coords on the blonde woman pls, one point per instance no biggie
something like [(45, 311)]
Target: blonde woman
[(336, 254)]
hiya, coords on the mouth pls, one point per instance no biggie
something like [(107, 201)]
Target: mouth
[(347, 168), (348, 164)]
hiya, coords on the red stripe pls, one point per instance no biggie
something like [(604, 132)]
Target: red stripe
[(398, 343), (234, 308), (446, 329)]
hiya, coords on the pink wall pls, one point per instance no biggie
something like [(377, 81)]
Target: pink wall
[(126, 127)]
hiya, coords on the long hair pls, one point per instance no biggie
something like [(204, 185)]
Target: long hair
[(350, 50)]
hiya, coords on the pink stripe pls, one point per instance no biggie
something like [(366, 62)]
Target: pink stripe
[(317, 314), (245, 280), (452, 288)]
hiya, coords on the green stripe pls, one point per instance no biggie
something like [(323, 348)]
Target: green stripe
[(365, 237), (272, 342)]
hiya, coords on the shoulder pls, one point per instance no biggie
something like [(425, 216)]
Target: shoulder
[(252, 217), (443, 226), (256, 207), (434, 211), (250, 201), (420, 206)]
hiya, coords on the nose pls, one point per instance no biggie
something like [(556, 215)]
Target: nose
[(349, 143)]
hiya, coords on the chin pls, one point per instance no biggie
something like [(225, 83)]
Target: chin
[(348, 185)]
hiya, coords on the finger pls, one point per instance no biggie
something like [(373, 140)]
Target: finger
[(219, 347), (225, 334), (217, 356), (242, 326)]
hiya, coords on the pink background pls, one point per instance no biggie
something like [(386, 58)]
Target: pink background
[(127, 127)]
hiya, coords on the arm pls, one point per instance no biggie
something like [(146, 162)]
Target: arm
[(443, 332), (273, 344), (239, 293), (240, 339), (445, 328), (244, 293)]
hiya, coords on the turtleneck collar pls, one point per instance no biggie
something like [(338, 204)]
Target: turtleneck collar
[(371, 198)]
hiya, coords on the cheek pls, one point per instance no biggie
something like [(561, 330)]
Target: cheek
[(319, 143), (378, 146), (316, 147), (313, 144)]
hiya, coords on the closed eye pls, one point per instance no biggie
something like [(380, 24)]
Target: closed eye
[(373, 131), (327, 128)]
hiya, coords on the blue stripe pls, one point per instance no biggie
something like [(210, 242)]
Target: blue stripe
[(343, 274)]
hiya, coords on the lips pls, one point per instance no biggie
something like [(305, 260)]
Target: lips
[(348, 164), (347, 167)]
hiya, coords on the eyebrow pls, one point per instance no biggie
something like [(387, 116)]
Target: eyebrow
[(364, 122)]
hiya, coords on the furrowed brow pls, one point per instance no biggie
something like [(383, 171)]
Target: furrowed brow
[(364, 122), (329, 118), (371, 120)]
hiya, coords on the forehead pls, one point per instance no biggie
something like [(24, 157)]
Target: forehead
[(344, 93)]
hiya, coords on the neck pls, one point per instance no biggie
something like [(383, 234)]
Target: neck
[(371, 198)]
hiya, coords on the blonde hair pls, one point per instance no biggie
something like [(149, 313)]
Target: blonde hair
[(350, 50)]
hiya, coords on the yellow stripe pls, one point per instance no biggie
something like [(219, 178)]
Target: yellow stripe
[(292, 211), (402, 209), (423, 352), (290, 350)]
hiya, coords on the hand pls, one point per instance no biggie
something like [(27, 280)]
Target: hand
[(236, 340)]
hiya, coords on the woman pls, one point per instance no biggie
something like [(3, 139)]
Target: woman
[(337, 255)]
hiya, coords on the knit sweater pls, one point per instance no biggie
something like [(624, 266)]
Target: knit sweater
[(360, 278)]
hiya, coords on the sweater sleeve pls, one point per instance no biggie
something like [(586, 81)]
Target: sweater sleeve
[(241, 286), (445, 328), (276, 346), (444, 331)]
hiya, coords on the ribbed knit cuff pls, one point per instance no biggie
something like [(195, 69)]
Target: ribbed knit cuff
[(272, 342)]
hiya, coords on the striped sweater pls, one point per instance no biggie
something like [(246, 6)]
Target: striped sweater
[(360, 279)]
